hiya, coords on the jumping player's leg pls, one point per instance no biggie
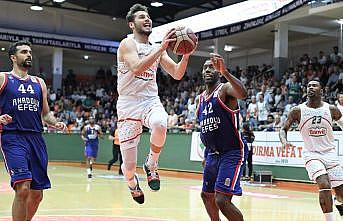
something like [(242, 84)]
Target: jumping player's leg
[(157, 122), (158, 125), (19, 206), (33, 201), (129, 171), (129, 165)]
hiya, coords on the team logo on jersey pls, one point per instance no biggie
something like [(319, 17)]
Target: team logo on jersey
[(317, 131)]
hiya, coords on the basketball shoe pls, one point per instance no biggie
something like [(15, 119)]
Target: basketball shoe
[(136, 192), (152, 177)]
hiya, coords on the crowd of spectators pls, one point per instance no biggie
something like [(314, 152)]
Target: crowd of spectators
[(265, 108)]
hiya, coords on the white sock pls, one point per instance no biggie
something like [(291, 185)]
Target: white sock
[(152, 159), (89, 171), (329, 216)]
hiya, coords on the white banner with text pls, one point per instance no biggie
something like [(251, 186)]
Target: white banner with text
[(267, 149)]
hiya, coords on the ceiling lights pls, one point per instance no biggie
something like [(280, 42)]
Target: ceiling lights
[(58, 1), (156, 4), (228, 48), (340, 21), (36, 6)]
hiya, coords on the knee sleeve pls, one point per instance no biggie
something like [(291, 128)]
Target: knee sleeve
[(158, 124)]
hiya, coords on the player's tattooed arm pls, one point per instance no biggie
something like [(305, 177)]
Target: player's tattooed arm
[(336, 115), (293, 117)]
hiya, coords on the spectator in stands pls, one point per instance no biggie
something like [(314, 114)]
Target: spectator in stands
[(173, 119), (252, 112), (187, 126), (262, 109), (269, 126), (277, 123), (322, 60), (242, 103), (294, 88), (333, 77), (289, 105), (52, 95), (192, 108), (328, 94), (336, 57), (88, 103)]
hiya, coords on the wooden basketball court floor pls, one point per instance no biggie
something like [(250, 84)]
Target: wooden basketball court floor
[(105, 198)]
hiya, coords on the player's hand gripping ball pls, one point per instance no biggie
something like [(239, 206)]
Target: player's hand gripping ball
[(185, 43)]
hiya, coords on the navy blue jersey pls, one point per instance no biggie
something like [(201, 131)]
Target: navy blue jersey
[(92, 134), (22, 100), (219, 124)]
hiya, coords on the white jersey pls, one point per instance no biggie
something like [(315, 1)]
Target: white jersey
[(316, 128), (142, 84)]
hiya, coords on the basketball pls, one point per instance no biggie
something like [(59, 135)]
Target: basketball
[(185, 41)]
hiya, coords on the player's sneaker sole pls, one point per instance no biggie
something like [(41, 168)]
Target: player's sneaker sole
[(153, 180)]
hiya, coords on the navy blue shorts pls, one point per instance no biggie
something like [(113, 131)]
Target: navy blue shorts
[(26, 158), (222, 172), (91, 149)]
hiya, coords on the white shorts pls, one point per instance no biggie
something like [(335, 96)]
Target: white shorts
[(133, 112), (318, 164)]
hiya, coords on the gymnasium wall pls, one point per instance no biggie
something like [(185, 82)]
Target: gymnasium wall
[(175, 156)]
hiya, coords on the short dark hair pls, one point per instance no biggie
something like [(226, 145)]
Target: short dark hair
[(13, 47), (135, 8), (317, 80)]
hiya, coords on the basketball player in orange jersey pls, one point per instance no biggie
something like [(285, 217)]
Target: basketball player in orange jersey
[(138, 103), (315, 118)]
